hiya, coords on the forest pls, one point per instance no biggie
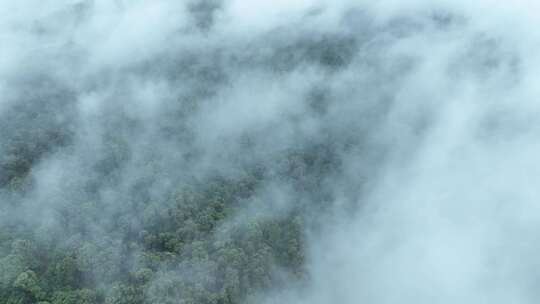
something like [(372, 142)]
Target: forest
[(102, 203)]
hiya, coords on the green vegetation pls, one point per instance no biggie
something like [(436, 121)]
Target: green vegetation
[(175, 253)]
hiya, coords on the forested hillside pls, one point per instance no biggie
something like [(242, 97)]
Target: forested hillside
[(169, 176), (237, 152)]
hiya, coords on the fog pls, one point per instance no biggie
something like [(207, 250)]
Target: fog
[(419, 118)]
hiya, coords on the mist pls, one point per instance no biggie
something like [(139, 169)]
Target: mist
[(303, 151)]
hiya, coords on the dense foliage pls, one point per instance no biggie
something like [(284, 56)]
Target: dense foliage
[(204, 239), (159, 252)]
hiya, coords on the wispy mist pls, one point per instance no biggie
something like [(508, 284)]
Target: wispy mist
[(213, 151)]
